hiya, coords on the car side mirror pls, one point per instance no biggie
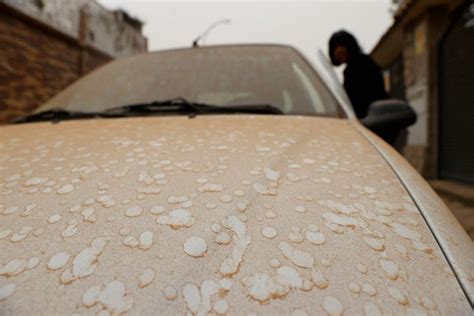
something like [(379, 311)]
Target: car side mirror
[(389, 115)]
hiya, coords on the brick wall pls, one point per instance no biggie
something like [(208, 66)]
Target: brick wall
[(36, 62)]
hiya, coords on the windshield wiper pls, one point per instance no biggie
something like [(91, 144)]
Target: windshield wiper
[(57, 115), (177, 105), (192, 108)]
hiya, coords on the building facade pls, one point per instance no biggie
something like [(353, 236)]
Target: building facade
[(427, 57), (45, 45)]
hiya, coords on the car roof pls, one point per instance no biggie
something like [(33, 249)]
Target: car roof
[(249, 45)]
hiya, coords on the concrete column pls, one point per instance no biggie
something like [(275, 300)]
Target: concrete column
[(416, 80)]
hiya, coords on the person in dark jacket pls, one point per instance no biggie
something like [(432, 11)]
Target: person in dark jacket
[(363, 80)]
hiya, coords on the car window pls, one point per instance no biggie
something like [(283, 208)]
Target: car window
[(223, 76), (310, 89)]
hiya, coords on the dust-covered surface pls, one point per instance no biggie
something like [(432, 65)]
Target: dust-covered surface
[(456, 244), (216, 214)]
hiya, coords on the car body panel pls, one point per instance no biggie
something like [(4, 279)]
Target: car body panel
[(348, 235), (456, 244)]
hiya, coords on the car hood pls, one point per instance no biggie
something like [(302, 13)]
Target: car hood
[(215, 214)]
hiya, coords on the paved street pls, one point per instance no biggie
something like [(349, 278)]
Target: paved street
[(463, 212), (459, 197)]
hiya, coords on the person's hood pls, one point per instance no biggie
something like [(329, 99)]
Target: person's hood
[(220, 214)]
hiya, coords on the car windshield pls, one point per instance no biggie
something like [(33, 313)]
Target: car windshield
[(224, 76)]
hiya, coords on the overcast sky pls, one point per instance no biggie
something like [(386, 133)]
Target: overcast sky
[(307, 25)]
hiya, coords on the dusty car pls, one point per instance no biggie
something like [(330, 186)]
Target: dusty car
[(218, 180)]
